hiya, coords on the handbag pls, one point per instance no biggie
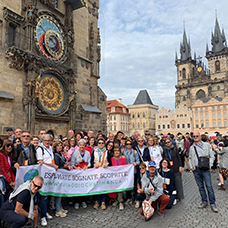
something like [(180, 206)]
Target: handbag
[(203, 161)]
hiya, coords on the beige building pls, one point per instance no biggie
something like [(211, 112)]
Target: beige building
[(117, 117), (210, 115), (174, 121), (143, 114), (49, 64)]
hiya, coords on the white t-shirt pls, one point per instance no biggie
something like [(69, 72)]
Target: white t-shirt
[(46, 154)]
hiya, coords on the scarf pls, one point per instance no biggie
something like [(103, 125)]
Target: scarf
[(169, 147), (26, 185)]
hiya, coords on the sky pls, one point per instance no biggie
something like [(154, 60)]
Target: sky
[(139, 39)]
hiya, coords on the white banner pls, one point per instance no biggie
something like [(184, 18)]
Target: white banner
[(79, 182)]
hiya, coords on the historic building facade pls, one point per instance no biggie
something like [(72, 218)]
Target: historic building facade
[(143, 114), (174, 121), (117, 117), (49, 64), (210, 115), (194, 80)]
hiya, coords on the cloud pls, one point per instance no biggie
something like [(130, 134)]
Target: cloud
[(139, 39)]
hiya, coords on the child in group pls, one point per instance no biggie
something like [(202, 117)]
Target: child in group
[(117, 160)]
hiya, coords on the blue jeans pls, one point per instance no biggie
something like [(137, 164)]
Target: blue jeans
[(43, 206), (204, 177), (100, 198), (58, 204)]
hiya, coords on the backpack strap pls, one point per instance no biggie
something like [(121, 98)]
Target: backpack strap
[(41, 149)]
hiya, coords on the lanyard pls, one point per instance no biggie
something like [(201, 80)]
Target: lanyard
[(151, 152), (61, 157), (82, 155), (26, 154), (164, 174), (48, 152), (117, 162), (170, 154), (200, 147), (128, 155), (100, 155)]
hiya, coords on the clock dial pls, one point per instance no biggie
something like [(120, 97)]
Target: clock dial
[(51, 94), (50, 38)]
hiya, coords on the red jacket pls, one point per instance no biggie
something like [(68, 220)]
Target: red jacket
[(115, 162), (4, 164)]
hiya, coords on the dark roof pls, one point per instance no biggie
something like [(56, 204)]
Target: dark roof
[(91, 109), (143, 98), (7, 95), (217, 98)]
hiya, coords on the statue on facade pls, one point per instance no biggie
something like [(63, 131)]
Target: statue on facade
[(37, 90), (30, 86)]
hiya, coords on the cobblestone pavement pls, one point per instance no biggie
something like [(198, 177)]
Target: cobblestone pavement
[(184, 214)]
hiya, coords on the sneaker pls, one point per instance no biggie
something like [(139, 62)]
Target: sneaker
[(115, 203), (48, 216), (103, 206), (175, 202), (64, 211), (84, 205), (161, 214), (219, 184), (60, 214), (43, 221), (76, 206), (121, 206), (137, 204), (96, 205), (202, 205), (214, 208), (128, 202)]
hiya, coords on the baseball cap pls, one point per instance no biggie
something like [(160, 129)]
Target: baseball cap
[(9, 129), (152, 163)]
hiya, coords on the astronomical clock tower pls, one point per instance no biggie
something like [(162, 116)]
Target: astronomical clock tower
[(49, 64)]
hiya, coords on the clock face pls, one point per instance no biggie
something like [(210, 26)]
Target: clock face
[(50, 38), (51, 94)]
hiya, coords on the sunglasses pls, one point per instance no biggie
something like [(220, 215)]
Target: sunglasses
[(140, 140), (86, 138), (36, 186), (9, 145), (25, 136), (64, 140), (101, 143), (128, 144), (147, 134), (168, 142), (195, 136), (141, 168), (17, 141)]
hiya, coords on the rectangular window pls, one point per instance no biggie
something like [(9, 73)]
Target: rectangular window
[(183, 125), (110, 117), (196, 109), (114, 117), (201, 116), (225, 123), (110, 128), (213, 115), (197, 125), (219, 114), (207, 124), (213, 108), (206, 115), (189, 125), (196, 116), (159, 126), (224, 106), (202, 125), (11, 35), (218, 107), (206, 108), (224, 114), (168, 126), (219, 124), (214, 124), (178, 125), (114, 127), (201, 109), (163, 126)]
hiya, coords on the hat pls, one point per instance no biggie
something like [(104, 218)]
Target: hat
[(152, 163), (9, 129)]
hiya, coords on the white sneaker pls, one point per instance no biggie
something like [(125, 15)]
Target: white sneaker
[(60, 214), (76, 206), (43, 221), (174, 202), (137, 204), (84, 205), (219, 184), (121, 206), (115, 203), (48, 216)]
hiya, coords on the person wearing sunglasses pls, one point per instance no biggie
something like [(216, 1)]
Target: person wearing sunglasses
[(65, 141), (6, 165), (100, 159), (21, 206), (140, 196), (25, 153), (143, 151), (202, 177), (172, 154), (16, 141)]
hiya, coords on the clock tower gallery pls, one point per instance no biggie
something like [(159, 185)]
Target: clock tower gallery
[(49, 64), (194, 80)]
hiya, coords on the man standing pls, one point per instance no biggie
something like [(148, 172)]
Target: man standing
[(135, 143), (202, 177), (19, 208), (18, 132), (45, 156), (152, 184), (147, 135), (25, 153), (10, 134)]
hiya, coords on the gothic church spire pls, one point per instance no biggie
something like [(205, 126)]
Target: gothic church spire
[(185, 48)]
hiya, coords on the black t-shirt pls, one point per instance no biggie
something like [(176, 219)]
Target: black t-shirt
[(23, 198)]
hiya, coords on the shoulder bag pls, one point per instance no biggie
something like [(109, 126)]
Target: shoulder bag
[(203, 161)]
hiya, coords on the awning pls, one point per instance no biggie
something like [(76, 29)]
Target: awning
[(6, 95), (91, 109), (76, 4)]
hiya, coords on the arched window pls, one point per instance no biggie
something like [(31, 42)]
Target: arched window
[(184, 98), (217, 66), (133, 116), (144, 126), (133, 126), (138, 115), (144, 114), (200, 95), (138, 126), (184, 73), (218, 88)]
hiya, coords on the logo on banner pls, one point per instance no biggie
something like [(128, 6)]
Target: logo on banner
[(31, 174)]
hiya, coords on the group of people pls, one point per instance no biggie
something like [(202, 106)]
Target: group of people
[(158, 166)]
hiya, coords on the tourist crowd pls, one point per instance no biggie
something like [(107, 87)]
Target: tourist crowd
[(158, 165)]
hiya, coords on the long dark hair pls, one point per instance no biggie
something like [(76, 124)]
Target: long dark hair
[(160, 164)]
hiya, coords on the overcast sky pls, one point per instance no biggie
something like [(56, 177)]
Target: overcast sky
[(139, 39)]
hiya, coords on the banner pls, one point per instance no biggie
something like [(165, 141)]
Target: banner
[(79, 182)]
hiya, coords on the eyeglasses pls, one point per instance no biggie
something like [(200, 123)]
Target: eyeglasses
[(140, 140), (86, 138), (195, 136), (141, 168), (128, 144), (47, 140), (168, 142), (36, 186), (25, 136), (100, 143), (9, 145), (110, 145)]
